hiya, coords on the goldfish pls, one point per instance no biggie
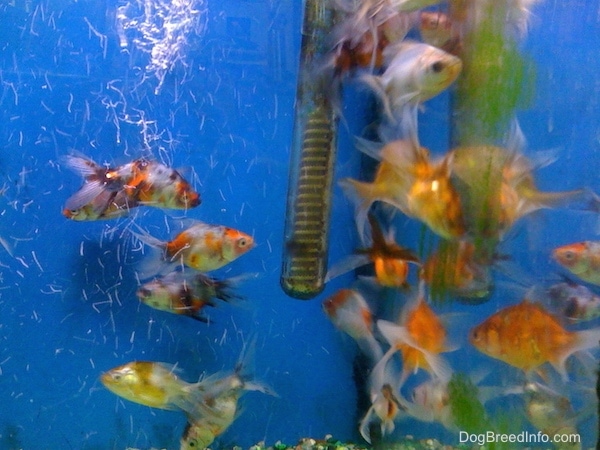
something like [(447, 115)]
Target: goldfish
[(180, 293), (434, 200), (550, 412), (217, 407), (526, 336), (155, 184), (140, 182), (349, 312), (151, 384), (414, 72), (389, 259), (438, 29), (575, 301), (497, 188), (386, 407), (106, 205), (419, 337), (202, 247), (407, 179), (454, 270), (392, 179), (582, 259), (362, 36)]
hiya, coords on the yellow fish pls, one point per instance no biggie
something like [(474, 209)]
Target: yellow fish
[(152, 384)]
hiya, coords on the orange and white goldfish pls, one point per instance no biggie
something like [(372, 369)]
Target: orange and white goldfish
[(582, 259), (389, 259), (526, 336), (202, 247), (385, 407), (349, 312), (181, 293), (414, 72), (140, 182), (419, 337), (152, 384), (575, 301)]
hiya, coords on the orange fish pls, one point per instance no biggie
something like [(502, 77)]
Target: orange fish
[(581, 259), (389, 259), (408, 180), (420, 338), (349, 312), (526, 336), (392, 180), (202, 247)]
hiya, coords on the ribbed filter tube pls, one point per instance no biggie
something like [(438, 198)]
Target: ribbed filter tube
[(311, 167)]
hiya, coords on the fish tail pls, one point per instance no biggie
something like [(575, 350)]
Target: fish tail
[(362, 195), (553, 199), (584, 340), (155, 262)]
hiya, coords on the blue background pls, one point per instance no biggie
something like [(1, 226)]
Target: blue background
[(67, 294)]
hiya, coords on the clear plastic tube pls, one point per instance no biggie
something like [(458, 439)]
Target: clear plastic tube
[(312, 162)]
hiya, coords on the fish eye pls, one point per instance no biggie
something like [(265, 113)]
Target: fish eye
[(569, 255), (475, 335), (192, 443), (437, 66), (173, 176), (242, 242), (144, 292)]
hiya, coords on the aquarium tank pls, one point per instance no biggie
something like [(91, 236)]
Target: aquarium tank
[(318, 224)]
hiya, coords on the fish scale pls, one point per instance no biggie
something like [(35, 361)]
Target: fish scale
[(304, 267)]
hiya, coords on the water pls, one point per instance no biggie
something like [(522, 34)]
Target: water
[(222, 110)]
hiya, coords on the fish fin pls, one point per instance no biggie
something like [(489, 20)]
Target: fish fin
[(363, 195), (370, 347), (364, 426), (6, 246), (154, 263), (81, 165), (585, 339), (88, 192), (374, 82), (347, 264), (369, 148), (395, 334)]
